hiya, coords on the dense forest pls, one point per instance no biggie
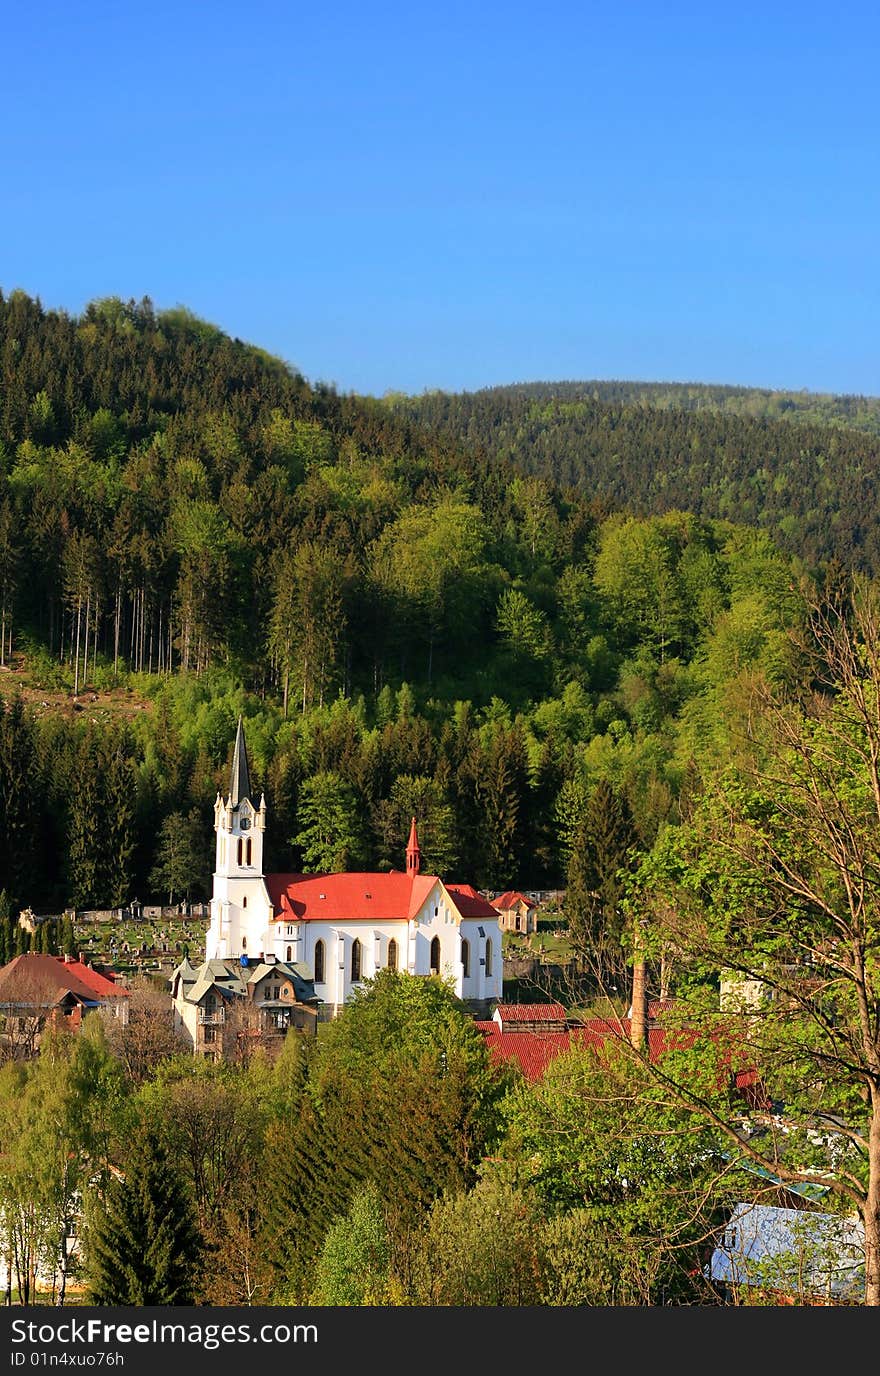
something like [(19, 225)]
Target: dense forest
[(408, 628), (803, 467)]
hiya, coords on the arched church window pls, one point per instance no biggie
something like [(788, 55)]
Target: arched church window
[(239, 850), (244, 901), (488, 958), (392, 954), (244, 943), (435, 956), (290, 953), (247, 847), (319, 962), (355, 960), (466, 958)]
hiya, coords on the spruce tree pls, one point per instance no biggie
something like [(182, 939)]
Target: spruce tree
[(20, 832), (603, 849), (118, 794), (142, 1245), (68, 937)]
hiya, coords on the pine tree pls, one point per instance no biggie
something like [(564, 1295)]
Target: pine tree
[(142, 1245)]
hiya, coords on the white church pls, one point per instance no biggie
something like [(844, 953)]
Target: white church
[(344, 927)]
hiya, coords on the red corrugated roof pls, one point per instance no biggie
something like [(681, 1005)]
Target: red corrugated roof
[(534, 1051), (364, 896), (531, 1012)]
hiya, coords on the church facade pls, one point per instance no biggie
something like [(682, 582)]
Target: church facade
[(345, 927)]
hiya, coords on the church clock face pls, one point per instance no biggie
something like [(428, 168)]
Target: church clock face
[(245, 823)]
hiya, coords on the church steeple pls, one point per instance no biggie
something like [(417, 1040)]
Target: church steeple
[(240, 909), (240, 778), (413, 853)]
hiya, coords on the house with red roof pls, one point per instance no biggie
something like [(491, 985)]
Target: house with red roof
[(346, 926), (38, 989), (517, 912)]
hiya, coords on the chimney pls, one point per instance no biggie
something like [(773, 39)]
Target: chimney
[(639, 1011)]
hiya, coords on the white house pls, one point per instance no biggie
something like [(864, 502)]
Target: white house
[(345, 927)]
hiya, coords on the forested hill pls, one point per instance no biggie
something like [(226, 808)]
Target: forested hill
[(409, 625), (802, 466), (757, 403), (156, 477)]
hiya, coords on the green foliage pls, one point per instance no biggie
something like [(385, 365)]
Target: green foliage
[(598, 1139), (354, 1262), (330, 834), (480, 1247)]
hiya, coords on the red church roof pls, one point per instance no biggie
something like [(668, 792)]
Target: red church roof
[(364, 896), (470, 903)]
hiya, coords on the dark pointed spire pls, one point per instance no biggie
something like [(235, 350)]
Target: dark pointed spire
[(240, 778), (413, 853)]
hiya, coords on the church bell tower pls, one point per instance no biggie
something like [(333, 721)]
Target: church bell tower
[(239, 902)]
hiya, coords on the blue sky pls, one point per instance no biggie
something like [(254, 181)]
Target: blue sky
[(406, 197)]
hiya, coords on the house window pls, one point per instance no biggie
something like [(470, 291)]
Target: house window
[(290, 953), (319, 962), (209, 1033), (466, 958), (355, 961), (488, 958), (435, 956), (392, 954)]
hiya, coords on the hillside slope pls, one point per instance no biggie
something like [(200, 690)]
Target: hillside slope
[(810, 479)]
